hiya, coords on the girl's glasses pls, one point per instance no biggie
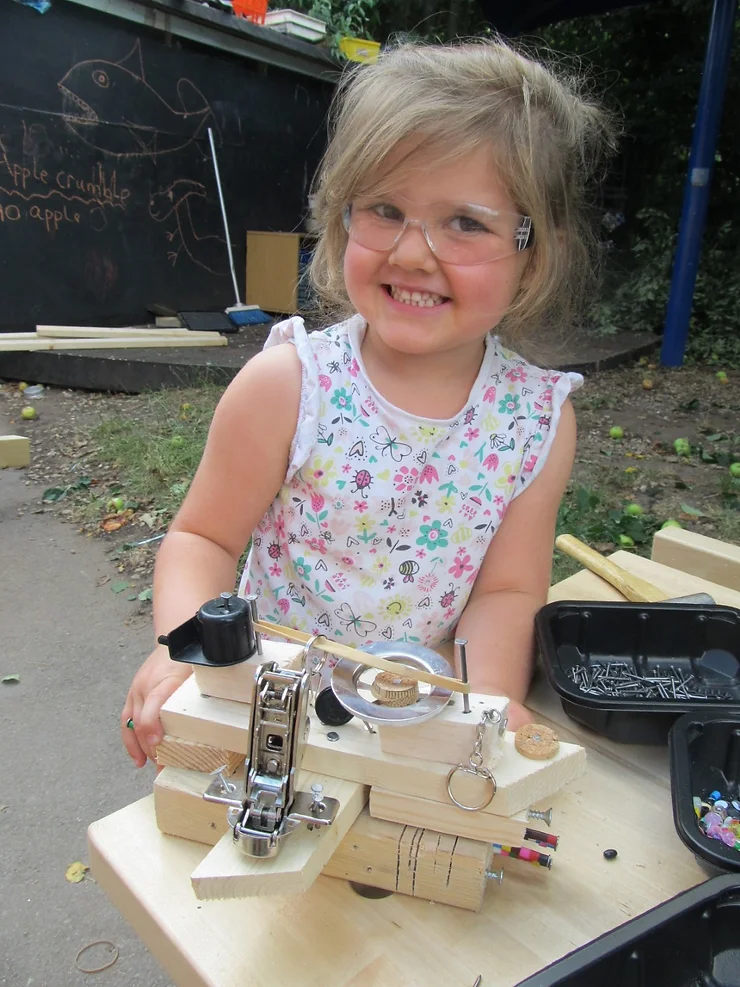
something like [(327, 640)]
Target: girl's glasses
[(456, 233)]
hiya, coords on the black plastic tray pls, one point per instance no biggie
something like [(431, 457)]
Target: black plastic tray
[(705, 755), (645, 636), (693, 940)]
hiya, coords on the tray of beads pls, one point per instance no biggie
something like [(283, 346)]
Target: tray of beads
[(705, 786)]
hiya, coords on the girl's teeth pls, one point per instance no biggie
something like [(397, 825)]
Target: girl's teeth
[(422, 299)]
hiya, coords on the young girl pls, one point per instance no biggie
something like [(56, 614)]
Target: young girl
[(400, 472)]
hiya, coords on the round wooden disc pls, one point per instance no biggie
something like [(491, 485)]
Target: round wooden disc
[(536, 741), (394, 690)]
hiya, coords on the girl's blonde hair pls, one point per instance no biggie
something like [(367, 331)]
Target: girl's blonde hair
[(546, 138)]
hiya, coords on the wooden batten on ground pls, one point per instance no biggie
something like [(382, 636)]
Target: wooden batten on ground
[(356, 756), (227, 872), (153, 339), (699, 555), (413, 861), (101, 332)]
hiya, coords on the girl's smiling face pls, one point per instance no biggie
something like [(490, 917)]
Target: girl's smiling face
[(463, 302)]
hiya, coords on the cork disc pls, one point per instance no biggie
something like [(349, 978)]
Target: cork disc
[(394, 690), (536, 741)]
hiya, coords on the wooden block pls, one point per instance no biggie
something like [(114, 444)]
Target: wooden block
[(450, 736), (227, 872), (237, 681), (15, 451), (175, 753), (413, 861), (447, 818), (181, 810), (167, 322), (698, 555), (357, 756)]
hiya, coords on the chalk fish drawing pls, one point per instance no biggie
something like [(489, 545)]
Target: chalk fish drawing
[(207, 251), (111, 107)]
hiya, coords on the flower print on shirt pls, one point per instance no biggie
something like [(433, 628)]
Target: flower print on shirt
[(384, 519)]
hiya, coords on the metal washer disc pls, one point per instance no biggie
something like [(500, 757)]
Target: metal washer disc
[(346, 676)]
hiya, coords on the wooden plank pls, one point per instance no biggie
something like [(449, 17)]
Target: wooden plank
[(447, 818), (122, 342), (15, 451), (585, 586), (175, 753), (413, 861), (356, 756), (449, 737), (698, 555), (103, 332), (227, 872), (237, 681)]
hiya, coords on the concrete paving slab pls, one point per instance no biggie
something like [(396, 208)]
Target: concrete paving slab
[(61, 761)]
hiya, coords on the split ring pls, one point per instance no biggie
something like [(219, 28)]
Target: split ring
[(481, 773)]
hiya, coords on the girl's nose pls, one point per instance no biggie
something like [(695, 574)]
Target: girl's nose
[(412, 250)]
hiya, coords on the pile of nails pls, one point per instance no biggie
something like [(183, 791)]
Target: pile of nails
[(719, 819), (621, 680)]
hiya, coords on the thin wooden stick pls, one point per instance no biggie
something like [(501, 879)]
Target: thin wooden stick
[(362, 657)]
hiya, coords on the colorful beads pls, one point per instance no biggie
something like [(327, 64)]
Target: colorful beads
[(718, 818)]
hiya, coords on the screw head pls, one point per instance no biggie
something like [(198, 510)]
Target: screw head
[(332, 736), (317, 789)]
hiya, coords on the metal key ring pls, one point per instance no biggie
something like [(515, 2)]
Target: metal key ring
[(481, 773), (307, 648)]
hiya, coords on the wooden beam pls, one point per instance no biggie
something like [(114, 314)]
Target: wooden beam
[(102, 332), (15, 451), (698, 555), (153, 341), (450, 736), (175, 753), (356, 756), (447, 818), (413, 861), (227, 872)]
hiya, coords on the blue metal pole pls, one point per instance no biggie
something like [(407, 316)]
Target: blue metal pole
[(696, 190)]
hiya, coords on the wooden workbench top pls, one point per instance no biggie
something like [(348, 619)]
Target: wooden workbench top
[(331, 935)]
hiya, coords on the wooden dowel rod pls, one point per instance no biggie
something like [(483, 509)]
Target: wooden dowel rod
[(363, 658)]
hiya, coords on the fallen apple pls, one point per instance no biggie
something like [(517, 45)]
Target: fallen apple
[(28, 413)]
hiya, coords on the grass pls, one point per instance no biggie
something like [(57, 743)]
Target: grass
[(156, 454)]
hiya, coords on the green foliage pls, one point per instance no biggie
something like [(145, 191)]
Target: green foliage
[(586, 515)]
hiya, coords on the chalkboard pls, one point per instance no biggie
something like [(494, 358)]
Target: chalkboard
[(108, 199)]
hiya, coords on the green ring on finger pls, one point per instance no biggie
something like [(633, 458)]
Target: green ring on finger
[(130, 723)]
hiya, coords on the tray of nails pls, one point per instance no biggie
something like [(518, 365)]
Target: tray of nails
[(629, 670)]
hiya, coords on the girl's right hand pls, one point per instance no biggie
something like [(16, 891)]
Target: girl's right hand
[(153, 684)]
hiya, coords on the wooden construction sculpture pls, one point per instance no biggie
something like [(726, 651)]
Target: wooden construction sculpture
[(401, 779)]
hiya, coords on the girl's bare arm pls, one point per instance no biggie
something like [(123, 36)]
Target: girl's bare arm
[(242, 469), (513, 581)]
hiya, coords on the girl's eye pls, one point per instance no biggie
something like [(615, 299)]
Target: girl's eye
[(384, 210), (466, 224)]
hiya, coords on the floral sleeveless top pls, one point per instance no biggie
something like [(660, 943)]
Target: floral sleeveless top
[(384, 518)]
